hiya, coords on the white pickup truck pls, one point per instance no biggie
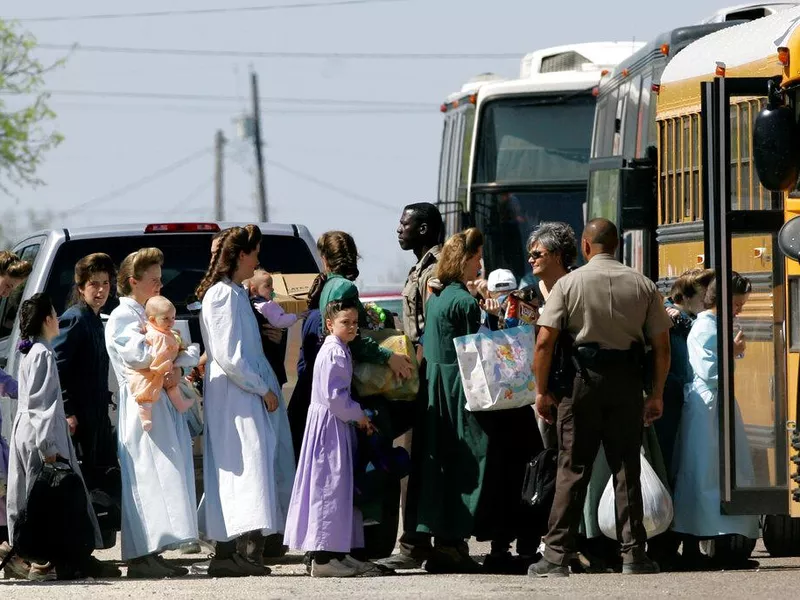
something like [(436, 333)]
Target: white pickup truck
[(187, 249)]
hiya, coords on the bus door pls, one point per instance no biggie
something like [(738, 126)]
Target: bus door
[(741, 235)]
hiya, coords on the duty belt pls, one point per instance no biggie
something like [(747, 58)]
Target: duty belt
[(593, 356)]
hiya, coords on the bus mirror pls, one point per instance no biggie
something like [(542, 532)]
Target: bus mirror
[(789, 239), (637, 196), (776, 148)]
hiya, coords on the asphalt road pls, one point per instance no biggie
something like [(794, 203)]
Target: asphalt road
[(775, 578)]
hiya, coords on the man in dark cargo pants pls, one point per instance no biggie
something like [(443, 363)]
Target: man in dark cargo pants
[(609, 310)]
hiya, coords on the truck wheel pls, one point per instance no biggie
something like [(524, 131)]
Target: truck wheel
[(781, 535)]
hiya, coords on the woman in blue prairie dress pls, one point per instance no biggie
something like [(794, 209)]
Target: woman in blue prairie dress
[(158, 493), (249, 466), (697, 488)]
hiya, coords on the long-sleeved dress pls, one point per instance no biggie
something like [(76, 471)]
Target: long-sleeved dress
[(249, 466), (451, 443), (40, 430), (158, 493), (82, 361), (321, 515), (697, 495)]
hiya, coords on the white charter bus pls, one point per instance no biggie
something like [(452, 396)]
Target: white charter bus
[(515, 153)]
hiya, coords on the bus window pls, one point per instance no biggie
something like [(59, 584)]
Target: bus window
[(444, 162), (619, 120), (696, 152), (631, 117), (644, 119), (466, 152), (599, 128), (535, 139), (736, 198), (603, 194)]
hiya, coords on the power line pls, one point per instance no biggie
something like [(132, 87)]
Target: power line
[(223, 98), (134, 185), (191, 196), (199, 110), (319, 182), (198, 11), (290, 55)]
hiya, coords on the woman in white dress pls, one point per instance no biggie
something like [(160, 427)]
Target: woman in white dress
[(249, 464), (158, 493)]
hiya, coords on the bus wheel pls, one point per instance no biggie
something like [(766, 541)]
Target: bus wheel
[(728, 549), (781, 535)]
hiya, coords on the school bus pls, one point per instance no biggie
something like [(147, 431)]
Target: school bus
[(624, 136), (713, 210)]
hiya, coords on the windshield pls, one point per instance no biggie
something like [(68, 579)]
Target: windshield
[(528, 140), (186, 257), (508, 219)]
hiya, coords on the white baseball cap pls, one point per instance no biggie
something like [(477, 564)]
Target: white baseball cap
[(502, 280)]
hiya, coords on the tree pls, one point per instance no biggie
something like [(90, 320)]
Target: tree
[(26, 134)]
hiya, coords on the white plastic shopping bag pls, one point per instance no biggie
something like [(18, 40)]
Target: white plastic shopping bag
[(497, 368), (655, 499)]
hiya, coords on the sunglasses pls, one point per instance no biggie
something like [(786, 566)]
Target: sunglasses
[(536, 254)]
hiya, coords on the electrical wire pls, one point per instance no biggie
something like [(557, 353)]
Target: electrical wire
[(202, 110), (289, 55), (318, 182), (134, 185), (224, 98), (198, 11)]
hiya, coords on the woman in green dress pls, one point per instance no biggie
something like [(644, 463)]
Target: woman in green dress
[(452, 445)]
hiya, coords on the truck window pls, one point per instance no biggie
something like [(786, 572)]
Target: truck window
[(9, 306), (186, 257)]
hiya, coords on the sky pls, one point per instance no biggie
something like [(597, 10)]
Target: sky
[(347, 146)]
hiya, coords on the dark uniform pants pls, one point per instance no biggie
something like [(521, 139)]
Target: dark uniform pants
[(606, 406)]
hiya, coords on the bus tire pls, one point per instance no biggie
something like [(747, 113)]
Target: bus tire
[(781, 535), (729, 549)]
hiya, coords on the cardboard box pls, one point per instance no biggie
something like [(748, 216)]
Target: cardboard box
[(291, 290)]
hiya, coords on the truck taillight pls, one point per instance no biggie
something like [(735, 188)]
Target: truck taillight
[(181, 228)]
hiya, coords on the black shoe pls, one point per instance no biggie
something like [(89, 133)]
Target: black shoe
[(235, 566), (544, 568), (97, 569), (451, 559), (505, 563), (400, 562), (147, 567), (176, 570), (643, 566)]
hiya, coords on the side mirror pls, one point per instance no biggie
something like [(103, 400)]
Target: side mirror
[(789, 239), (637, 195), (776, 148)]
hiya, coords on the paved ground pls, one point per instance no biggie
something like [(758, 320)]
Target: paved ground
[(775, 578)]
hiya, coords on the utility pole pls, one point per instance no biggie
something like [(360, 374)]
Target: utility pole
[(263, 214), (219, 148)]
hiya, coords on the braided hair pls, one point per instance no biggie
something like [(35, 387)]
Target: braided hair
[(32, 315), (225, 260), (341, 256)]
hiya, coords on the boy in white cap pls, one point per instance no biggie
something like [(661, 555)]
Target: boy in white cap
[(501, 283)]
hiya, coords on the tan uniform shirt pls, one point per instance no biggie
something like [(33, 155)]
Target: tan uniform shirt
[(606, 303), (415, 293)]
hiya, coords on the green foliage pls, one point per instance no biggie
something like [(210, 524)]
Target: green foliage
[(26, 132)]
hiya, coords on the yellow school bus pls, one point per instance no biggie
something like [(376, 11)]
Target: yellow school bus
[(713, 210)]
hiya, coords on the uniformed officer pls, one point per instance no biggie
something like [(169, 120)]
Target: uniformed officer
[(610, 311), (421, 231)]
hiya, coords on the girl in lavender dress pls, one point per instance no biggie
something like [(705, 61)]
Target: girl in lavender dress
[(322, 519)]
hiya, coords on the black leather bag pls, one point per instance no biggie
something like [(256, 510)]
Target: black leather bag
[(55, 525), (539, 487)]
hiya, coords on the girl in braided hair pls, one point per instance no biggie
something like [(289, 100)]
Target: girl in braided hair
[(248, 468)]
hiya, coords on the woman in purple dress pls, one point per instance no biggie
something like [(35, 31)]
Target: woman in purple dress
[(322, 518)]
